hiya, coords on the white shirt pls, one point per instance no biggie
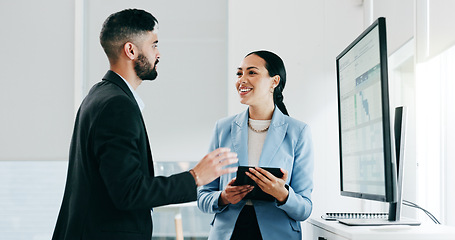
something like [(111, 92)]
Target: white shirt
[(138, 99), (256, 140), (255, 143)]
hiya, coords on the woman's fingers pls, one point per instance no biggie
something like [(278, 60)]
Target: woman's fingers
[(285, 174), (231, 182), (258, 176), (265, 173), (236, 193), (268, 182)]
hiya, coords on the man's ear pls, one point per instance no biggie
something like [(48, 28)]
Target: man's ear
[(130, 50)]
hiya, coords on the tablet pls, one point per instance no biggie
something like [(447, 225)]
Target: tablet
[(257, 193)]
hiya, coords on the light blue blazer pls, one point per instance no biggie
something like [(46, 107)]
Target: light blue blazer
[(287, 145)]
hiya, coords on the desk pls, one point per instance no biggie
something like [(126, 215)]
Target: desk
[(319, 229), (175, 208)]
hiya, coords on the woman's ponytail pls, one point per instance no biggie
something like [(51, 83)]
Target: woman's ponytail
[(275, 66)]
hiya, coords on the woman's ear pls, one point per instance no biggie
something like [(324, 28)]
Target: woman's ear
[(276, 80), (130, 50)]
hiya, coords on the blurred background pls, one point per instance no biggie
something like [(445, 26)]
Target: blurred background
[(51, 56)]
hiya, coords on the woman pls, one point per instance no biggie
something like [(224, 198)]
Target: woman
[(263, 136)]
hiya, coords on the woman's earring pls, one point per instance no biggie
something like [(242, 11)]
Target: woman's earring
[(272, 89)]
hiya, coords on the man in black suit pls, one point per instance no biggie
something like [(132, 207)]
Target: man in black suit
[(111, 186)]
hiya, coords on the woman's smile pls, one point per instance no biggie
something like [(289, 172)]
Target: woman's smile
[(244, 90)]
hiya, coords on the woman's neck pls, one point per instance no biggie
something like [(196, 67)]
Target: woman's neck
[(261, 113)]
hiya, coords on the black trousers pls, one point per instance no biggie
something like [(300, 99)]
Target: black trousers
[(246, 227)]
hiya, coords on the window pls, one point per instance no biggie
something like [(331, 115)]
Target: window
[(435, 117), (428, 90)]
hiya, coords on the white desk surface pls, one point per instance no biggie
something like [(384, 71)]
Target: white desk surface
[(174, 207), (424, 231)]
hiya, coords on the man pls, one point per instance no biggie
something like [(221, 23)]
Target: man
[(111, 186)]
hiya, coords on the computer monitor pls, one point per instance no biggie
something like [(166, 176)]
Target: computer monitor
[(368, 168)]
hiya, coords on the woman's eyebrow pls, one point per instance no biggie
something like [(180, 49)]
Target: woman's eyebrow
[(239, 68), (252, 68)]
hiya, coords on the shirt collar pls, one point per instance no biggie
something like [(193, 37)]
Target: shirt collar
[(138, 99)]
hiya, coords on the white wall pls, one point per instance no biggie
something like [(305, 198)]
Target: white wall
[(434, 27), (399, 16), (36, 71)]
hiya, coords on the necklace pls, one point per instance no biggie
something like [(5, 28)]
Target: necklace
[(256, 130)]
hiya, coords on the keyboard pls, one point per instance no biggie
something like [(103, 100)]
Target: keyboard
[(333, 216)]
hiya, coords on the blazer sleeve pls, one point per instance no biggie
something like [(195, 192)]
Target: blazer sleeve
[(299, 205), (208, 195), (119, 145)]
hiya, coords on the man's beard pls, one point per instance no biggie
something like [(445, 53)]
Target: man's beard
[(144, 69)]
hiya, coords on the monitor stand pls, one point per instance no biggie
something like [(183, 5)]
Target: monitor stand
[(394, 207)]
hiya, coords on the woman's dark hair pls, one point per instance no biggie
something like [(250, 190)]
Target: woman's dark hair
[(275, 66), (125, 26)]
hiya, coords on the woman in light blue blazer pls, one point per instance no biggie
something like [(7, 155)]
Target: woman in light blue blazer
[(262, 136)]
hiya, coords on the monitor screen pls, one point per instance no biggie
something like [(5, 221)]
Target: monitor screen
[(364, 120)]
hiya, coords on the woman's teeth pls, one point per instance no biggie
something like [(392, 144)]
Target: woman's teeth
[(245, 89)]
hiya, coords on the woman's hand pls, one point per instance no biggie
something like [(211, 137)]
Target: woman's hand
[(269, 183), (233, 194)]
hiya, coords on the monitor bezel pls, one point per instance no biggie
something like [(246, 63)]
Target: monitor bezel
[(389, 172)]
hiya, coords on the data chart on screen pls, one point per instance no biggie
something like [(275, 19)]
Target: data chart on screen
[(361, 117)]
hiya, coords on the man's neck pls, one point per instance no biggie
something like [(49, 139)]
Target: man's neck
[(128, 74)]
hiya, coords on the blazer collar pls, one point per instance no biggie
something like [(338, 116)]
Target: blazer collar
[(113, 77), (275, 136)]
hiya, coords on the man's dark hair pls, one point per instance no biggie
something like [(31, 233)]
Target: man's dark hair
[(125, 26)]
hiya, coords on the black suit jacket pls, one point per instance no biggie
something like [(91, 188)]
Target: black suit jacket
[(110, 185)]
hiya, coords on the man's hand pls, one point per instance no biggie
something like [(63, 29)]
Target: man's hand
[(233, 194), (211, 166)]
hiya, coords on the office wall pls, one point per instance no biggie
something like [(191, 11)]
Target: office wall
[(400, 20), (434, 27), (429, 22), (36, 72), (36, 113)]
